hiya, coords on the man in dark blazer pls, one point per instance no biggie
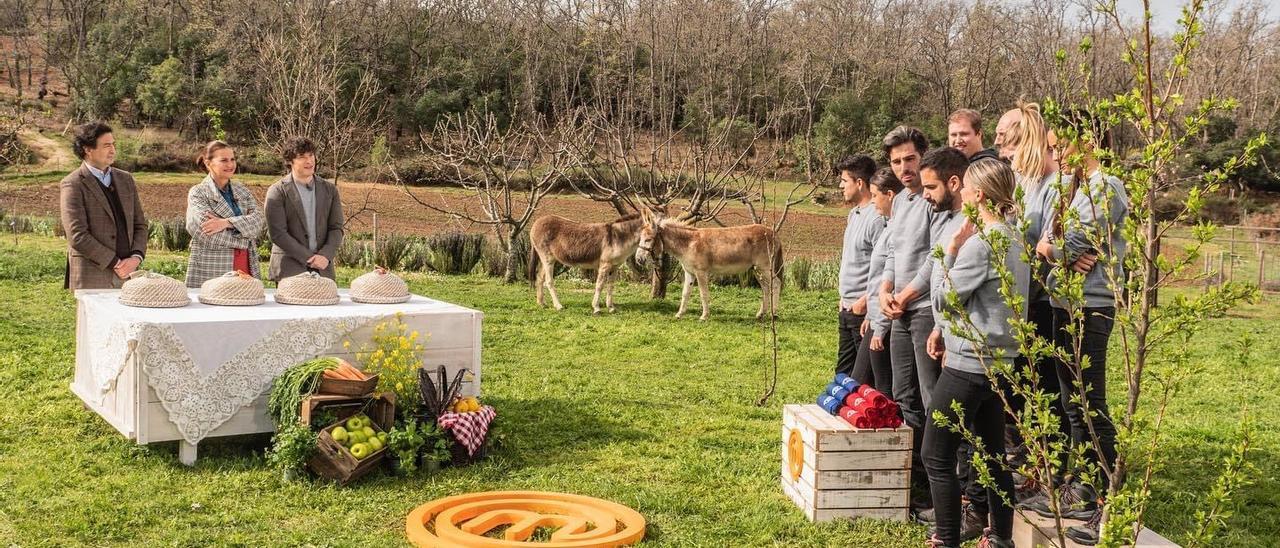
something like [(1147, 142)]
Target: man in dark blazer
[(304, 216), (101, 214)]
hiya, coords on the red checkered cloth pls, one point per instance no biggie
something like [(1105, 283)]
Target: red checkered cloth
[(468, 428)]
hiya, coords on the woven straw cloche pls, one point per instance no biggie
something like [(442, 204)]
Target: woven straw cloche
[(150, 290), (308, 288), (233, 289), (379, 287)]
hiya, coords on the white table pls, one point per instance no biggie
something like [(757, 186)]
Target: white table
[(199, 371)]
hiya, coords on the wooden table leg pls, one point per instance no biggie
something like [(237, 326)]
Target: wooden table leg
[(186, 453)]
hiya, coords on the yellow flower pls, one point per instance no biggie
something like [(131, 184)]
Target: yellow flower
[(346, 344)]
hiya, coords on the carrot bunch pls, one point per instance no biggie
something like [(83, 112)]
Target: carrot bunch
[(345, 371)]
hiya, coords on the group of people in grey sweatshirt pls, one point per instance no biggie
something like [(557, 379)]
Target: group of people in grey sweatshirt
[(932, 245)]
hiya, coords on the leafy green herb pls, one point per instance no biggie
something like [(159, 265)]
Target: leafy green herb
[(296, 383)]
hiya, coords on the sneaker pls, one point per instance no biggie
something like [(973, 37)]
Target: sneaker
[(935, 542), (991, 540), (972, 523), (1075, 501), (1025, 489), (1086, 534), (923, 516)]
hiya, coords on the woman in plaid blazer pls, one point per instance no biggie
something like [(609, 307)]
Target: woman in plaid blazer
[(223, 218)]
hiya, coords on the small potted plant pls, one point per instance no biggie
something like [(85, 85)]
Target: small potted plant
[(292, 447), (406, 441)]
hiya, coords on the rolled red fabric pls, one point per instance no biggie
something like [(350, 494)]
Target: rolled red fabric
[(853, 400), (864, 407), (858, 420), (878, 399)]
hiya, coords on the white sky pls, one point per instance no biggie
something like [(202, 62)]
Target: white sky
[(1165, 13)]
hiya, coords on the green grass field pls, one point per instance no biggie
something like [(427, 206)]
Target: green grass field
[(634, 407)]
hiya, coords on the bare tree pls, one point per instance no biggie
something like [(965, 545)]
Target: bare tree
[(506, 173), (312, 90)]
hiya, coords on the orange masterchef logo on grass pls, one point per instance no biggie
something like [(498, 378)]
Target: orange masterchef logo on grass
[(577, 521)]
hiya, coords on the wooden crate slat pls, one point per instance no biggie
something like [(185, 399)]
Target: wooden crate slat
[(856, 460), (828, 514), (853, 498), (836, 434), (856, 479), (861, 498)]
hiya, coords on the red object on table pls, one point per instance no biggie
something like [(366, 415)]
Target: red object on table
[(240, 260)]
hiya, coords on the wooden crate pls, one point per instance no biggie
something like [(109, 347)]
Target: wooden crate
[(346, 387), (379, 407), (832, 470), (1030, 530), (334, 461)]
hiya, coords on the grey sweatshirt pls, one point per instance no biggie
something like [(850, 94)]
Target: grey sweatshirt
[(972, 276), (861, 231), (1037, 205), (909, 246), (944, 227), (879, 322), (1102, 204)]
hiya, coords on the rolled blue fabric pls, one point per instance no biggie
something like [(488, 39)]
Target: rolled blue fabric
[(830, 403), (838, 392), (847, 382)]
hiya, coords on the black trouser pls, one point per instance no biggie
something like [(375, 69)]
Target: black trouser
[(1041, 314), (874, 365), (914, 374), (984, 411), (847, 349), (1096, 333)]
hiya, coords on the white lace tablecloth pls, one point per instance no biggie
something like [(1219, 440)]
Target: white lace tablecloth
[(207, 362)]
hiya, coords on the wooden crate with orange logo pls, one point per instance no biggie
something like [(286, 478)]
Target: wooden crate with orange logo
[(832, 470)]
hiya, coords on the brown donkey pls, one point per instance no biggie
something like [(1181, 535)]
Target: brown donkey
[(706, 251), (602, 247)]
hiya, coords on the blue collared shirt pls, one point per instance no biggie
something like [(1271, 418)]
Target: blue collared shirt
[(103, 177), (229, 196)]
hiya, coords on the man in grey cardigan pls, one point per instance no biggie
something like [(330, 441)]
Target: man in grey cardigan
[(904, 294), (862, 229), (304, 216)]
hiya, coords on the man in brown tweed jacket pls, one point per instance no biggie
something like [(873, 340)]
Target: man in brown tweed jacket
[(102, 215)]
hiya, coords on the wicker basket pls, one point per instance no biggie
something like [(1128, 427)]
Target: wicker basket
[(379, 287), (233, 289), (308, 288), (150, 290)]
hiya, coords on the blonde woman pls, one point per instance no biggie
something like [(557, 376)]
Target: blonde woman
[(974, 280), (223, 218), (1027, 142)]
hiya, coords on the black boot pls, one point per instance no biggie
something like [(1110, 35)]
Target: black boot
[(1075, 501), (1088, 533), (972, 523)]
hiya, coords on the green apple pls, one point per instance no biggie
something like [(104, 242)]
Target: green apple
[(360, 451), (356, 437), (374, 444), (339, 434), (369, 432), (354, 423), (382, 437)]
